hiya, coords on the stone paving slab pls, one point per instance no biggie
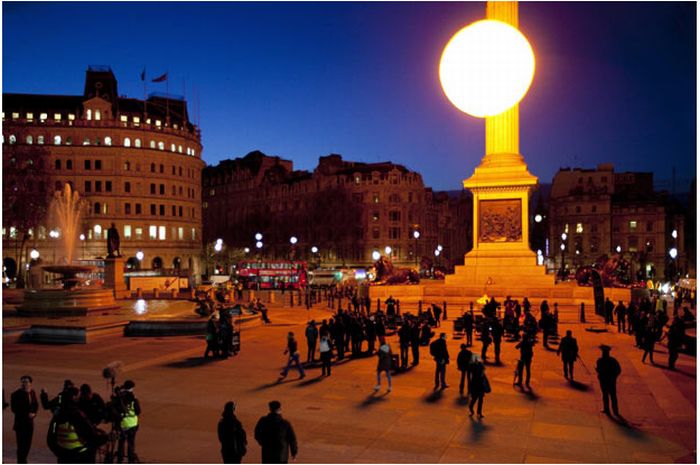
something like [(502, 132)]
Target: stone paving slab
[(339, 419)]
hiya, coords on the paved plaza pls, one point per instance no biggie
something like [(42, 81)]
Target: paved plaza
[(340, 419)]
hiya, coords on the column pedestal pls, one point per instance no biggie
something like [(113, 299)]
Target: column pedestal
[(114, 277)]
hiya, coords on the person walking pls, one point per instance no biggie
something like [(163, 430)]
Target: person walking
[(438, 349), (497, 335), (437, 312), (212, 336), (415, 343), (464, 361), (479, 386), (648, 342), (324, 347), (292, 351), (129, 425), (469, 326), (311, 338), (383, 364), (568, 349), (526, 353), (676, 335), (232, 436), (485, 338), (276, 436), (620, 313), (609, 310), (608, 370), (24, 404), (404, 342)]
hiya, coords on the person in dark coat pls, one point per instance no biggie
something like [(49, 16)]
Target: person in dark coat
[(231, 435), (485, 338), (56, 402), (371, 331), (415, 343), (478, 387), (526, 353), (648, 343), (464, 361), (276, 436), (311, 338), (438, 349), (621, 313), (676, 334), (437, 311), (92, 404), (608, 370), (212, 336), (404, 342), (497, 335), (293, 353), (24, 404), (609, 310), (568, 349), (469, 326)]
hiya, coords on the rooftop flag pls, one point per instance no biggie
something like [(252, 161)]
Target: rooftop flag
[(161, 78)]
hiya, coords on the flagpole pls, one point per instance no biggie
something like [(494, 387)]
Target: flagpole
[(167, 98)]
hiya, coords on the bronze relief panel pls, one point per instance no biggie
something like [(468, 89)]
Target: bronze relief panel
[(500, 221)]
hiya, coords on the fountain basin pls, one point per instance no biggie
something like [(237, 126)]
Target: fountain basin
[(77, 301)]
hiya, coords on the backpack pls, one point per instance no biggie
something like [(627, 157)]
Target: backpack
[(433, 348)]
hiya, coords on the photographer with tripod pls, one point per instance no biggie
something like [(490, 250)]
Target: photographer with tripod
[(125, 420)]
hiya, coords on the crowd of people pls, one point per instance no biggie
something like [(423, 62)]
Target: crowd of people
[(82, 423)]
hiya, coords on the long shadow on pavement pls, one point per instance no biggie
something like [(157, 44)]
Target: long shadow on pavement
[(310, 381), (629, 429), (578, 386), (193, 362), (462, 401), (680, 372), (434, 397), (273, 384), (478, 429), (372, 399), (528, 393)]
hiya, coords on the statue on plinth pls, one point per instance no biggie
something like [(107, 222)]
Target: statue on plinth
[(113, 242)]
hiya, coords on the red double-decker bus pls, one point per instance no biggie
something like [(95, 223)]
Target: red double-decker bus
[(278, 274)]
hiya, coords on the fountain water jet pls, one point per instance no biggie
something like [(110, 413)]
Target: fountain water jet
[(72, 298)]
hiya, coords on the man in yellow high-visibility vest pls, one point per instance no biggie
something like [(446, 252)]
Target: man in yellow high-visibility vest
[(72, 438), (129, 425)]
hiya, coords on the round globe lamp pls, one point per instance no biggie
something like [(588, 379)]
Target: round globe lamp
[(486, 68)]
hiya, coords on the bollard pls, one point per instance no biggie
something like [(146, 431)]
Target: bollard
[(272, 297), (444, 310), (139, 293), (583, 312)]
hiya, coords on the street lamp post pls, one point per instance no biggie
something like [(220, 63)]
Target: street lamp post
[(259, 246), (416, 235), (563, 249), (139, 257)]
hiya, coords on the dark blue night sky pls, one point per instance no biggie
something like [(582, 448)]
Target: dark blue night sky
[(615, 82)]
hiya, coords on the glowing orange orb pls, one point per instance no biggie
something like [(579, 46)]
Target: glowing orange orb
[(487, 68)]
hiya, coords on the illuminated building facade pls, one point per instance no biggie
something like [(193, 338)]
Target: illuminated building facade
[(137, 163), (346, 209), (603, 212)]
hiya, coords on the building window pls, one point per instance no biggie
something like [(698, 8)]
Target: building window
[(161, 145), (162, 189), (161, 233), (43, 117), (98, 164), (172, 147), (127, 142), (97, 208), (98, 231), (108, 186), (138, 208), (153, 209), (86, 141), (88, 114), (578, 208), (152, 144), (69, 164), (57, 117), (71, 117), (40, 140), (395, 215), (650, 226), (56, 140), (179, 148), (152, 232), (162, 168), (161, 210), (153, 170), (395, 198), (127, 208), (180, 233), (98, 186), (179, 210), (375, 233), (127, 231), (633, 225), (30, 116), (98, 115), (394, 233), (579, 228), (137, 120), (57, 164), (88, 186), (127, 166), (137, 143), (30, 140), (375, 216), (138, 233), (153, 188), (87, 164), (173, 210), (127, 187), (12, 139), (375, 198), (194, 234)]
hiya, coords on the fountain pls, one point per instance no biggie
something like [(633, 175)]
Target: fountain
[(74, 297)]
